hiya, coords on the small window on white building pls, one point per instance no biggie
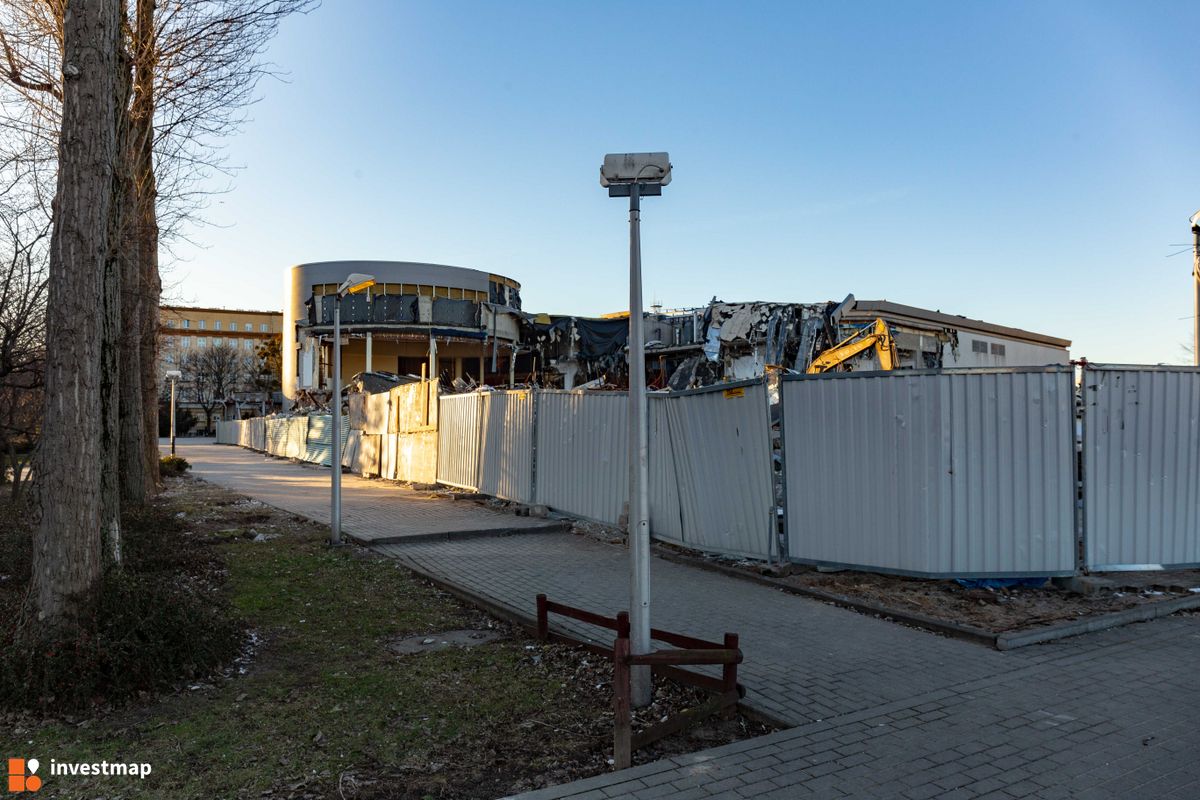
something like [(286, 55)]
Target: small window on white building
[(997, 349), (978, 346)]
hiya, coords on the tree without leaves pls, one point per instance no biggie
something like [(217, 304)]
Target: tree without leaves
[(210, 376), (67, 537), (24, 248)]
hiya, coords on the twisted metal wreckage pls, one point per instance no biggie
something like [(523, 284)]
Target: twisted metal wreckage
[(699, 347), (685, 349)]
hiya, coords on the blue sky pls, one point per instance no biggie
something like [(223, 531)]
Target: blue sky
[(1025, 163)]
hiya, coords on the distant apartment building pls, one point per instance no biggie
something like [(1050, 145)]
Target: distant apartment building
[(187, 330)]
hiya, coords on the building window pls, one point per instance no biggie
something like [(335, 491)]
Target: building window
[(997, 349), (187, 323), (247, 344), (978, 346), (200, 324), (216, 325), (170, 323), (231, 342), (201, 341), (263, 327)]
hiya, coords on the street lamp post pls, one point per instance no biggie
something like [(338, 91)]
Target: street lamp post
[(1195, 221), (355, 282), (635, 175), (173, 375)]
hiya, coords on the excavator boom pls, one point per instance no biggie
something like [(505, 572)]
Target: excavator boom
[(878, 337)]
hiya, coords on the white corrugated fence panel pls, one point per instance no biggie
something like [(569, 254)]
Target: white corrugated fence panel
[(319, 438), (720, 441), (350, 448), (582, 453), (506, 441), (666, 521), (1141, 466), (458, 440), (951, 473)]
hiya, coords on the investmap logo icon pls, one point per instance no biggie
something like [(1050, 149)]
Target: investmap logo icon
[(21, 775)]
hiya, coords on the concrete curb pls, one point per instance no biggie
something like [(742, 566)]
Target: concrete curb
[(1144, 613), (954, 629), (366, 541), (1009, 640)]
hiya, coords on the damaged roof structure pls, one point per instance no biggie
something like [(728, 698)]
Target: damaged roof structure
[(696, 347), (468, 328)]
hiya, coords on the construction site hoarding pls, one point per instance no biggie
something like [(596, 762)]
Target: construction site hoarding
[(966, 473)]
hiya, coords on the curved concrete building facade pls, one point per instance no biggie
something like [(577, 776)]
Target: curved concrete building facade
[(443, 320)]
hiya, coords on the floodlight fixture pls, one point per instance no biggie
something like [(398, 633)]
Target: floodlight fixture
[(649, 171), (1195, 220)]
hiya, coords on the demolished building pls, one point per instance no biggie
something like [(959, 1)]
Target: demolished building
[(467, 328), (696, 347)]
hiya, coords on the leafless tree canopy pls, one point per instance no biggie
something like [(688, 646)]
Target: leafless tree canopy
[(211, 376)]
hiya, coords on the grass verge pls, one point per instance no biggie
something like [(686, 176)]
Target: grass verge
[(323, 708)]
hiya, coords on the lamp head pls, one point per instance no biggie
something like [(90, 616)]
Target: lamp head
[(644, 168)]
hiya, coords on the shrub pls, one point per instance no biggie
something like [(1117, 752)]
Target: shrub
[(159, 620), (140, 633), (173, 466)]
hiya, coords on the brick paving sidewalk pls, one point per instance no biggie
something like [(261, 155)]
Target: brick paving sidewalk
[(372, 510), (879, 710)]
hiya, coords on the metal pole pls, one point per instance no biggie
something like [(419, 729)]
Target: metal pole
[(172, 416), (335, 466), (1196, 289), (639, 496)]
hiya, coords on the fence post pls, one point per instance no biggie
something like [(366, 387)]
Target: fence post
[(622, 716), (623, 625), (782, 540), (729, 677), (543, 621)]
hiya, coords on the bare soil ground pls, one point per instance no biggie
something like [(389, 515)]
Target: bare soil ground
[(990, 610), (998, 610), (321, 706)]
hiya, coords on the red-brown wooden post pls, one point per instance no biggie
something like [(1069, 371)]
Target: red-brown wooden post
[(729, 676), (622, 624), (543, 618), (622, 716)]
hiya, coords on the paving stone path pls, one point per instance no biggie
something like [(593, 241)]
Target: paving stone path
[(879, 710)]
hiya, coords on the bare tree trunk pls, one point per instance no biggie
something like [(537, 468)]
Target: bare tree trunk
[(120, 474), (136, 484), (146, 199), (67, 538)]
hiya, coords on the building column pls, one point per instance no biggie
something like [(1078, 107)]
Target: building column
[(369, 369)]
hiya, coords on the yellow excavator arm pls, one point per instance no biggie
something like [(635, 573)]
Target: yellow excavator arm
[(877, 336)]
